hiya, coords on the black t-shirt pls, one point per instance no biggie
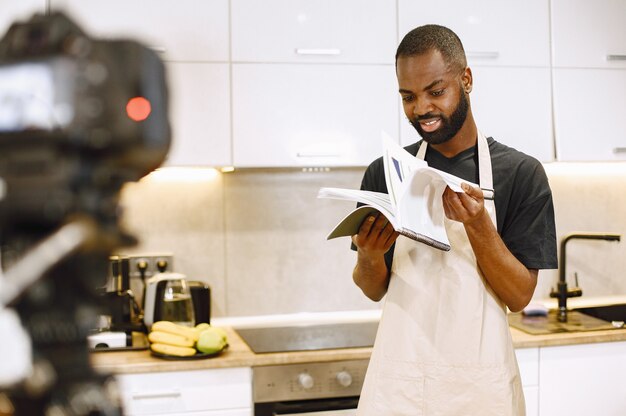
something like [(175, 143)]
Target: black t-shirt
[(523, 199)]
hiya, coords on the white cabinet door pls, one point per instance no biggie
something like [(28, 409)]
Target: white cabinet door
[(589, 34), (589, 114), (189, 30), (312, 115), (338, 31), (513, 106), (12, 11), (582, 380), (493, 32), (199, 114), (224, 391), (528, 362)]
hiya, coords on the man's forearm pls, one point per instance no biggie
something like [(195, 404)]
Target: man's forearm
[(371, 275), (508, 277)]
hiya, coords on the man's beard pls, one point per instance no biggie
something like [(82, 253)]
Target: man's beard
[(449, 126)]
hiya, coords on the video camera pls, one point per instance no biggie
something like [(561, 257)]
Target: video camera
[(76, 115), (79, 117)]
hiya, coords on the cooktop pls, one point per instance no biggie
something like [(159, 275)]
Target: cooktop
[(309, 337)]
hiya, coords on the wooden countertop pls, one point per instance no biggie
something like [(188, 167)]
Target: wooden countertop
[(239, 355)]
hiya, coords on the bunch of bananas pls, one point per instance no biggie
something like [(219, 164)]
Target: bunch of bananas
[(172, 339)]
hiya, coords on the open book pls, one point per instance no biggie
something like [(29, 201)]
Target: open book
[(413, 206)]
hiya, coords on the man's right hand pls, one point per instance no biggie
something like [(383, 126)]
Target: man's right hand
[(375, 238)]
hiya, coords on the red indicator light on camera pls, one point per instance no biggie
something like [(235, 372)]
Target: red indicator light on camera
[(138, 108)]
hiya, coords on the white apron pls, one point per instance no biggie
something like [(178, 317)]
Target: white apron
[(443, 345)]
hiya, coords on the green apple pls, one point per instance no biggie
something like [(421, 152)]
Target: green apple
[(211, 340)]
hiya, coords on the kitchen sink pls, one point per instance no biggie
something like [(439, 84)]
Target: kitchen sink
[(577, 321), (610, 313)]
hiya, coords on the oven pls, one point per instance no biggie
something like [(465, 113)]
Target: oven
[(329, 388)]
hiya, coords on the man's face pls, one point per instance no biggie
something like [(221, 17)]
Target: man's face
[(433, 96)]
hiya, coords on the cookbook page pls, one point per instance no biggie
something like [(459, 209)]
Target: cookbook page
[(398, 165)]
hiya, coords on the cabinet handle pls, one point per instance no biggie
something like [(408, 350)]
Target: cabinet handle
[(483, 55), (331, 51), (615, 57), (156, 395), (619, 150), (319, 154), (158, 49)]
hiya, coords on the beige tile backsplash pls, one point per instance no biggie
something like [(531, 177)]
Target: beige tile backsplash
[(257, 237)]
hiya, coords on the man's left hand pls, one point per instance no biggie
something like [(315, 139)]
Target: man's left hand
[(466, 206)]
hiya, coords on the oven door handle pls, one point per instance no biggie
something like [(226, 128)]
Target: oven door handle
[(344, 412), (344, 406)]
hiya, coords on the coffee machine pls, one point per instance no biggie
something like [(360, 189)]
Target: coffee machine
[(122, 314)]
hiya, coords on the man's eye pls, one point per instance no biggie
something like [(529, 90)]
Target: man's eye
[(407, 98), (438, 92)]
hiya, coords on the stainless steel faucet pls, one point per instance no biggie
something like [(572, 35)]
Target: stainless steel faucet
[(562, 292)]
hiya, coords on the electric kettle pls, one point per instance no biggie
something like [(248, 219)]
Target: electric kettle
[(168, 298)]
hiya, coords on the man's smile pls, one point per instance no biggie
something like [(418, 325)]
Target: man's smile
[(431, 124)]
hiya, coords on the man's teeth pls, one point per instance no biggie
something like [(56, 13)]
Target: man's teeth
[(429, 123)]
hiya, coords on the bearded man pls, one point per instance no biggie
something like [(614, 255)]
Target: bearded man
[(443, 346)]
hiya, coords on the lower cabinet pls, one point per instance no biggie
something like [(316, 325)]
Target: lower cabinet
[(214, 392), (528, 362), (583, 380)]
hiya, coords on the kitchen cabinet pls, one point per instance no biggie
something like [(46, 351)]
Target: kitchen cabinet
[(493, 32), (589, 79), (511, 98), (528, 362), (582, 380), (199, 114), (215, 392), (589, 117), (589, 34), (313, 82), (22, 10), (305, 31), (522, 121), (188, 31), (192, 38), (312, 115)]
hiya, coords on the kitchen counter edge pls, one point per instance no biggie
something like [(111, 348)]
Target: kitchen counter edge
[(238, 354)]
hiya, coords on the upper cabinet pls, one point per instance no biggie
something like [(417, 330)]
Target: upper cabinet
[(307, 31), (493, 32), (312, 115), (191, 36), (313, 81), (589, 34), (589, 79), (190, 30), (522, 121), (200, 114), (22, 10), (507, 44)]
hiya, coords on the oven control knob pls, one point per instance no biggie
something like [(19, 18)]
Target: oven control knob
[(306, 381), (344, 378)]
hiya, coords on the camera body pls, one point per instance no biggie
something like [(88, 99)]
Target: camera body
[(78, 118)]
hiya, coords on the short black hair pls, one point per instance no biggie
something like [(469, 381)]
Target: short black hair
[(434, 37)]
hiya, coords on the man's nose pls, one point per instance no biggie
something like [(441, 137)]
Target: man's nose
[(422, 107)]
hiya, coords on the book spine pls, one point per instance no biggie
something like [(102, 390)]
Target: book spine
[(424, 239)]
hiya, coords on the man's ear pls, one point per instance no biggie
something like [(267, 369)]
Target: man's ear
[(467, 80)]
